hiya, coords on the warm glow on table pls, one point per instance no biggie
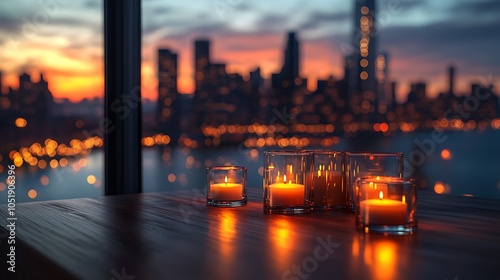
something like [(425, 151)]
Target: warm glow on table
[(226, 191), (286, 193), (383, 211)]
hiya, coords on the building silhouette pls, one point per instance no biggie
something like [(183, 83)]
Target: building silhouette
[(362, 62), (451, 80), (201, 62), (32, 100), (365, 39), (166, 116), (287, 86)]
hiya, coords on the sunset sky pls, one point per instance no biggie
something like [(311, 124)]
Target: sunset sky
[(64, 39)]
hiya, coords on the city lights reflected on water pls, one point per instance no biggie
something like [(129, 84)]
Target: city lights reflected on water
[(59, 162), (255, 136)]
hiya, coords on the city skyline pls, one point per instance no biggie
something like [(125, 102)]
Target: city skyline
[(422, 37)]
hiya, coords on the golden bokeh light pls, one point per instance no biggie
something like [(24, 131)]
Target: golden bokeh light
[(446, 154), (439, 188), (42, 164), (63, 162), (91, 179), (54, 163), (21, 122), (171, 178), (44, 180), (32, 194), (442, 188)]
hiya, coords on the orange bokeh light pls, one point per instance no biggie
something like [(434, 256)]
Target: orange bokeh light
[(445, 154), (32, 194)]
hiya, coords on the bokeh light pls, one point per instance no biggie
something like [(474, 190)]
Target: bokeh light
[(32, 194)]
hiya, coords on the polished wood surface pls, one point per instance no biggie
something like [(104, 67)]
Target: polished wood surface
[(174, 235)]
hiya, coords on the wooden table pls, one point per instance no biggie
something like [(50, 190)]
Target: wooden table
[(173, 235)]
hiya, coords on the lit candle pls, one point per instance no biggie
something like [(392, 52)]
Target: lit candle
[(383, 211), (329, 188), (373, 189), (226, 191), (286, 193)]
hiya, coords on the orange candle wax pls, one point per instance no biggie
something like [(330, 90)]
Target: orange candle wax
[(383, 211)]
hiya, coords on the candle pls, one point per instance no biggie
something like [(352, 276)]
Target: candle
[(329, 188), (226, 191), (383, 211), (373, 189), (286, 193)]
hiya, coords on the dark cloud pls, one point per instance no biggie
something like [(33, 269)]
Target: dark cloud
[(272, 22), (403, 5), (471, 45), (319, 18), (478, 7), (162, 11), (9, 24), (70, 22)]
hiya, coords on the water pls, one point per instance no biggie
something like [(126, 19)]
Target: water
[(474, 167)]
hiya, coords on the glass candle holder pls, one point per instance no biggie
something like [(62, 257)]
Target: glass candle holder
[(386, 205), (329, 180), (371, 164), (226, 186), (285, 187)]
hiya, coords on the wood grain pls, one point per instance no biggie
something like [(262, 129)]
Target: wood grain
[(173, 235)]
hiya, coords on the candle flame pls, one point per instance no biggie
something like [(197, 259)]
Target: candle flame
[(225, 179), (371, 185), (378, 177), (403, 199), (381, 195), (284, 178)]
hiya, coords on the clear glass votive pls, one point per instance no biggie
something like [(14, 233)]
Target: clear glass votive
[(285, 187), (386, 205), (329, 180), (372, 164), (226, 186)]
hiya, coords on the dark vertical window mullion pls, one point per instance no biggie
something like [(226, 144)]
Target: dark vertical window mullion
[(122, 123)]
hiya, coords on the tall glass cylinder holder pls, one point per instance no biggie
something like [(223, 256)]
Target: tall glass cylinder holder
[(386, 205), (329, 180), (226, 186), (285, 182), (371, 164)]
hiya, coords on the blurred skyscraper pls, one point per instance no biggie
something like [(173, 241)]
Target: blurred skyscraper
[(167, 91), (451, 80), (201, 62), (290, 69), (363, 79)]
